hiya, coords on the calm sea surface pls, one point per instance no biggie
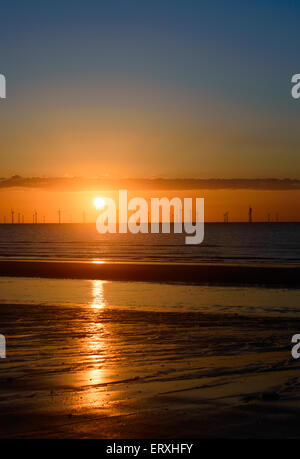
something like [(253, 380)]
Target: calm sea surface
[(223, 243)]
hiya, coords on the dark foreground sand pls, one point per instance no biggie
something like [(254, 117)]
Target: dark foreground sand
[(100, 373)]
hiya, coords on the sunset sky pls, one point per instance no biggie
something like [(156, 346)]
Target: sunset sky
[(180, 89)]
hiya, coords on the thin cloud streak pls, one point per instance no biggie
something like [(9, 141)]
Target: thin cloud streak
[(110, 184)]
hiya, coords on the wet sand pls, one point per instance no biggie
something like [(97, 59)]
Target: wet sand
[(108, 373), (214, 274)]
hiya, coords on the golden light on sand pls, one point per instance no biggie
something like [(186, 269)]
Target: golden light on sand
[(99, 203)]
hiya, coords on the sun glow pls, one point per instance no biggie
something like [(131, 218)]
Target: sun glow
[(99, 203)]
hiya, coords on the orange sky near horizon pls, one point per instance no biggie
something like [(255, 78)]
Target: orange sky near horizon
[(74, 203)]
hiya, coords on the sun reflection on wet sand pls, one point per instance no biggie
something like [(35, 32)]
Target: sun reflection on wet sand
[(95, 374), (98, 294), (95, 349)]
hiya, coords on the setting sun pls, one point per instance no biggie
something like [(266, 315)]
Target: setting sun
[(99, 203)]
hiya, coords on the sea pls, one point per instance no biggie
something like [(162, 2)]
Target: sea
[(223, 243)]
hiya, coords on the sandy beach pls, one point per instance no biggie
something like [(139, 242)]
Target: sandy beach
[(129, 357), (104, 373)]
